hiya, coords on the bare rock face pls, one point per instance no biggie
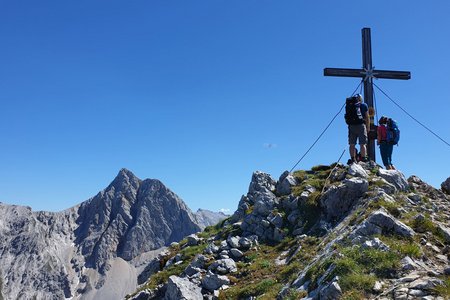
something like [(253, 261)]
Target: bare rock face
[(339, 199), (78, 251), (445, 186), (207, 218)]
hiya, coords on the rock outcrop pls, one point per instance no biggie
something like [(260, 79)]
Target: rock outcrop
[(335, 232)]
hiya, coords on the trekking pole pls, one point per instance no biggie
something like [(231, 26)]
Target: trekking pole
[(329, 175)]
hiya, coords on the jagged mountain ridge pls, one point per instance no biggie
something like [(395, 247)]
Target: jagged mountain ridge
[(334, 232), (74, 252)]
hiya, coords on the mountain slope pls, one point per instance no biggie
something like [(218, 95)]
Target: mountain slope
[(334, 232), (207, 218), (100, 245)]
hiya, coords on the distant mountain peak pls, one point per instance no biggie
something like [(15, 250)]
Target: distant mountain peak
[(120, 227), (125, 179)]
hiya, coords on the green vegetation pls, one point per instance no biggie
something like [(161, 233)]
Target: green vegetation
[(315, 178), (392, 207), (259, 276), (269, 288), (357, 268), (293, 294), (444, 289), (353, 295), (405, 247), (424, 225), (187, 254), (300, 175), (357, 282), (256, 276)]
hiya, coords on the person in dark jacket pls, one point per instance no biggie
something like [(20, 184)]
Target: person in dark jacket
[(358, 132)]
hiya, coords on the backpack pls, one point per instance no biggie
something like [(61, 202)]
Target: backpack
[(392, 132), (353, 115)]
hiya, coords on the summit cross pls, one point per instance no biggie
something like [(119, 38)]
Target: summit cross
[(368, 73)]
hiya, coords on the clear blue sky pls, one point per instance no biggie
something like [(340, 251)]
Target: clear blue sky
[(200, 94)]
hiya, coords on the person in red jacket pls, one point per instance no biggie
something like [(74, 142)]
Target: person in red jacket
[(385, 147)]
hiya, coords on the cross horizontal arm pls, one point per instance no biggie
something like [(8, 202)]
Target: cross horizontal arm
[(403, 75), (339, 72), (344, 72)]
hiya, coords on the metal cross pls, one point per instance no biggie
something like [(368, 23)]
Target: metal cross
[(368, 73)]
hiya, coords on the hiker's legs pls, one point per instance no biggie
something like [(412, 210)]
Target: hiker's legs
[(384, 156), (362, 136), (363, 150), (352, 149), (352, 138), (390, 149)]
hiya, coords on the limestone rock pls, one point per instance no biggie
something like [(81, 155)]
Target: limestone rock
[(396, 178), (213, 282), (357, 170), (337, 200), (236, 253), (182, 289), (381, 222), (285, 183), (233, 241), (331, 292), (193, 240), (445, 231), (223, 266), (261, 183), (445, 186)]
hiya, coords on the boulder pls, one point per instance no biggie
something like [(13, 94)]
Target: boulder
[(337, 200), (445, 186), (444, 231), (236, 253), (193, 240), (396, 178), (223, 266), (357, 171), (381, 222), (331, 292), (197, 265), (212, 282), (245, 243), (408, 264), (182, 289), (211, 249), (383, 185), (277, 220), (285, 183), (233, 241)]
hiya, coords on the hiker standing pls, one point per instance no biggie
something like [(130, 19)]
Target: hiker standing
[(357, 119), (386, 146)]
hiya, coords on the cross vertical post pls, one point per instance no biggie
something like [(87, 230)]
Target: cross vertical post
[(368, 85), (367, 73)]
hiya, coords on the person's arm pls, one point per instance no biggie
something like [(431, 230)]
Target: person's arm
[(367, 118)]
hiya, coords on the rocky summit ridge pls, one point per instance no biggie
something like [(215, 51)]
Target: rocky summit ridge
[(333, 232), (95, 250)]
